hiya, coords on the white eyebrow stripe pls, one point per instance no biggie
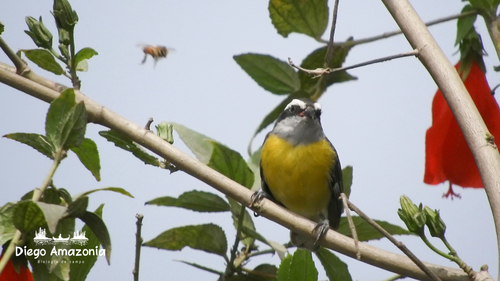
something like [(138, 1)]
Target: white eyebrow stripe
[(317, 106), (296, 102)]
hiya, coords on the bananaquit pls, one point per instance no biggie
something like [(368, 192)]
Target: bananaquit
[(300, 170)]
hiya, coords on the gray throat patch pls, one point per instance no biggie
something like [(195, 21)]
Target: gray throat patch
[(299, 130)]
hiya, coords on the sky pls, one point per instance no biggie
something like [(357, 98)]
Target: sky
[(376, 123)]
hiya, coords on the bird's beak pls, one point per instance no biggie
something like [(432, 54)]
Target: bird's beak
[(310, 112)]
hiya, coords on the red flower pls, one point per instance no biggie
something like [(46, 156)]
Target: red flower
[(9, 273), (447, 155)]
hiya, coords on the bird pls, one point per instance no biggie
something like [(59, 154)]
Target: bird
[(300, 170)]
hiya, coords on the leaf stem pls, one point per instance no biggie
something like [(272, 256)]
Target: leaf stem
[(436, 250), (72, 67), (230, 265), (59, 57), (21, 66), (37, 193)]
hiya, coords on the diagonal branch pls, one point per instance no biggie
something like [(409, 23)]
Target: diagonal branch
[(468, 118), (101, 115)]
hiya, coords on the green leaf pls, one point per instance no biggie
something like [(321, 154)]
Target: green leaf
[(254, 165), (82, 66), (230, 163), (307, 17), (52, 213), (247, 221), (269, 269), (284, 269), (347, 180), (165, 131), (279, 248), (272, 74), (2, 28), (89, 156), (36, 141), (273, 115), (316, 60), (44, 59), (196, 142), (27, 216), (302, 267), (7, 228), (366, 232), (80, 266), (114, 189), (483, 5), (465, 24), (336, 269), (127, 144), (198, 201), (206, 237), (84, 54), (96, 224), (64, 194), (78, 207), (66, 121)]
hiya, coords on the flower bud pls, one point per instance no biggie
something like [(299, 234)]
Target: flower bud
[(65, 16), (411, 215), (39, 33), (434, 222)]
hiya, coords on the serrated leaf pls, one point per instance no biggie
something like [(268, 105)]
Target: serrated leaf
[(36, 141), (52, 213), (336, 269), (347, 180), (316, 60), (66, 121), (235, 207), (273, 115), (98, 227), (84, 54), (114, 189), (44, 59), (78, 207), (196, 142), (366, 232), (465, 24), (89, 156), (270, 73), (302, 267), (80, 266), (7, 228), (127, 144), (284, 269), (230, 163), (206, 237), (307, 17), (198, 201), (27, 216), (165, 131)]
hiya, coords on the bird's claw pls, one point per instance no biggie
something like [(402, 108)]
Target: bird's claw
[(320, 230)]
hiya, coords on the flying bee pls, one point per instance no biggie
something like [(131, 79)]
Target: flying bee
[(156, 52)]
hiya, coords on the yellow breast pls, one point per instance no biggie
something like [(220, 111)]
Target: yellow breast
[(298, 176)]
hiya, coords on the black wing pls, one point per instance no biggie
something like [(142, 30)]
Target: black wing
[(335, 208)]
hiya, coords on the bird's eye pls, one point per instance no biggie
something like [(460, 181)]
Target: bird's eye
[(293, 108)]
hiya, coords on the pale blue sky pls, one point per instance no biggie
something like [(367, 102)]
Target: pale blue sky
[(377, 123)]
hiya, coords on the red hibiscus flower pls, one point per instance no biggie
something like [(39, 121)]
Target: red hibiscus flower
[(447, 155), (9, 273)]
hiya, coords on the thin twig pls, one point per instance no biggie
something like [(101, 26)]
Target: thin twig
[(398, 244), (230, 265), (352, 227), (322, 71), (138, 244), (329, 51), (37, 193), (397, 32), (148, 124), (395, 277), (21, 66)]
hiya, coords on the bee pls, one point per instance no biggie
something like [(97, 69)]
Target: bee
[(156, 52)]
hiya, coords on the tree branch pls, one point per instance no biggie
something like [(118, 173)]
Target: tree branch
[(101, 115), (329, 50), (446, 77)]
